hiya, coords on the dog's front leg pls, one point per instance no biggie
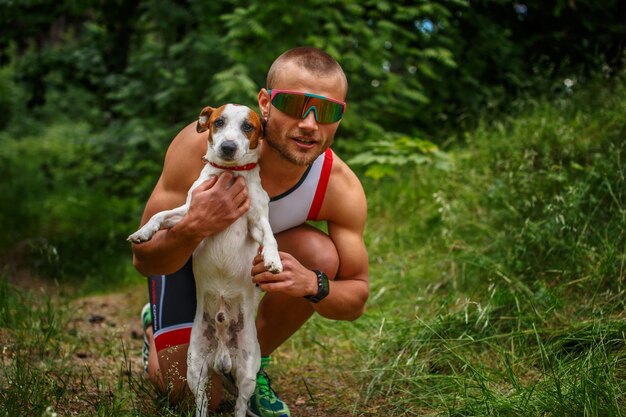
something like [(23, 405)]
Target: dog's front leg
[(261, 231), (270, 248), (167, 218), (162, 220)]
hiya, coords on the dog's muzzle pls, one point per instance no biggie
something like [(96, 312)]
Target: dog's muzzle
[(227, 150)]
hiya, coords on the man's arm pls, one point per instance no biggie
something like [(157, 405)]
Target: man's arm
[(345, 207), (214, 206), (346, 211)]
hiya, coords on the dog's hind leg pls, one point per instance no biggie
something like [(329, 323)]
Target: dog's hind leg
[(200, 345), (247, 364)]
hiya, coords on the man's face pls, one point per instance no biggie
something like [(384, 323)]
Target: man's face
[(300, 141)]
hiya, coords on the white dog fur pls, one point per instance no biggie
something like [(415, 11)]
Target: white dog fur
[(223, 336)]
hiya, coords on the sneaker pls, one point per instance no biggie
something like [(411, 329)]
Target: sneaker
[(146, 321), (264, 401)]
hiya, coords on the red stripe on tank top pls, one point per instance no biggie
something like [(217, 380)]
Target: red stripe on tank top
[(320, 192), (172, 338)]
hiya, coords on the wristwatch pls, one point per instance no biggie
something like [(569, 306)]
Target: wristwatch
[(322, 288)]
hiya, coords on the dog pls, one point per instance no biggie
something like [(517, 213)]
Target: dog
[(223, 335)]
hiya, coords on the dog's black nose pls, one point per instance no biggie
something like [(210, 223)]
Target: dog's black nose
[(228, 149)]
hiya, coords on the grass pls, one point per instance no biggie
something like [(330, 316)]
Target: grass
[(511, 267), (497, 289)]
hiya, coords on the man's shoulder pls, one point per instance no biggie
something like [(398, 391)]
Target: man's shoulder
[(341, 176), (183, 160), (345, 198), (188, 140)]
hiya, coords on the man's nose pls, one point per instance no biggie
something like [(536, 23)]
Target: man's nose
[(309, 122)]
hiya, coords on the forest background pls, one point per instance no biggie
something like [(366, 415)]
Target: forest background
[(489, 136)]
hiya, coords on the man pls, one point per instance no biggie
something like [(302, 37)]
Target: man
[(302, 106)]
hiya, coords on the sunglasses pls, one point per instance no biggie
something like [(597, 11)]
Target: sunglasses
[(296, 104)]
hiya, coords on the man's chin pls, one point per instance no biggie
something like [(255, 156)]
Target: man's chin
[(300, 157)]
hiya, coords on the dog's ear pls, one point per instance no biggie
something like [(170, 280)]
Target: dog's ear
[(260, 130), (203, 119)]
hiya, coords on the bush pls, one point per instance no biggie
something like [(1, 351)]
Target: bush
[(72, 196)]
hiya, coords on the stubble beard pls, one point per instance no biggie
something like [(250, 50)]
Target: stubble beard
[(281, 147)]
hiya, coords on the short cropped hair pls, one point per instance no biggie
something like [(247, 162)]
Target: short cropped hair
[(314, 60)]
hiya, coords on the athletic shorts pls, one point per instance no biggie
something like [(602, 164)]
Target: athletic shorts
[(173, 304)]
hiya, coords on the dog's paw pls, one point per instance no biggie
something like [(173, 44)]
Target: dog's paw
[(140, 236), (272, 262)]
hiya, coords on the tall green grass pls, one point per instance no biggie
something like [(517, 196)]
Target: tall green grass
[(498, 285)]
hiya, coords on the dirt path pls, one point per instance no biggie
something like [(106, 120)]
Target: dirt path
[(111, 337)]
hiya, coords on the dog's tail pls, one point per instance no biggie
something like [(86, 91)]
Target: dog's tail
[(223, 363)]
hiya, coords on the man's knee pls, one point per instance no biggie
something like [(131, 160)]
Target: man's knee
[(311, 247)]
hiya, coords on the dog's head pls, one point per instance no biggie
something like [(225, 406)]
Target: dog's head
[(234, 133)]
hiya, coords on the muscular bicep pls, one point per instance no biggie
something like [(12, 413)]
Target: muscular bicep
[(353, 260), (181, 167), (346, 227), (162, 198)]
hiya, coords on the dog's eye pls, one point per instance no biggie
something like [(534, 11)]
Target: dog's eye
[(247, 127), (218, 123)]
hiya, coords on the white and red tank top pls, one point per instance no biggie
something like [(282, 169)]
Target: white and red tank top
[(303, 201)]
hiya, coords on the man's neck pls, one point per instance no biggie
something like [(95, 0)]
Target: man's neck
[(278, 174)]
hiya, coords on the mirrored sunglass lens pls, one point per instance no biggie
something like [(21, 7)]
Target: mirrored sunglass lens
[(290, 104), (329, 112), (299, 106)]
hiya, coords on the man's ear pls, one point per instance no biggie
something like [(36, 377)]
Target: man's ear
[(264, 103), (203, 119)]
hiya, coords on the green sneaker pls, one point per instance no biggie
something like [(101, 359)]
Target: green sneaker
[(264, 402), (146, 321)]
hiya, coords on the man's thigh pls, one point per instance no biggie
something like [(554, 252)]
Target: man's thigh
[(313, 248), (173, 305)]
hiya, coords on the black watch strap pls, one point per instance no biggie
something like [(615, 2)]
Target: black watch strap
[(322, 288)]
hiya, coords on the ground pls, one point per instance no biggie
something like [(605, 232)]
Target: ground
[(111, 335)]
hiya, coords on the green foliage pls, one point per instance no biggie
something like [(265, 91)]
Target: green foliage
[(511, 267), (385, 157), (411, 66), (71, 196)]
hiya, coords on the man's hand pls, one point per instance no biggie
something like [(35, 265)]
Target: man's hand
[(295, 280), (216, 204)]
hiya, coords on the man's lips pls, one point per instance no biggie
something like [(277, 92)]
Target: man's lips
[(304, 141)]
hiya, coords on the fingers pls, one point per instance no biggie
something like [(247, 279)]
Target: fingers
[(224, 180), (258, 265), (269, 282), (274, 286), (227, 189), (241, 197), (207, 184)]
